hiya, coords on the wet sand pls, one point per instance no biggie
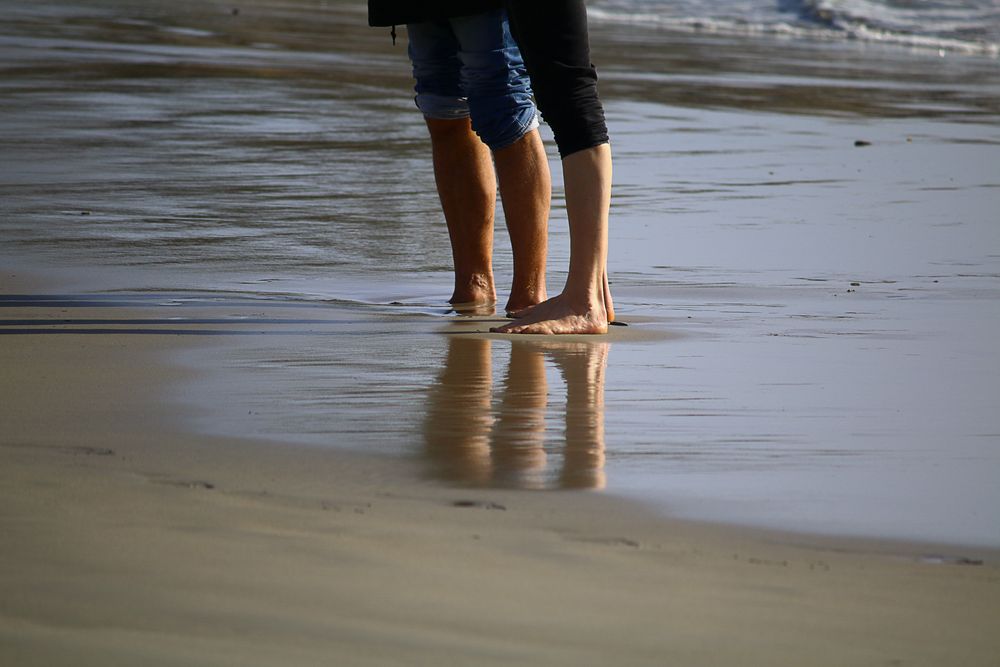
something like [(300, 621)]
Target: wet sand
[(129, 540)]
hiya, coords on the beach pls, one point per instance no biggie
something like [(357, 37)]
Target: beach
[(128, 540), (241, 426)]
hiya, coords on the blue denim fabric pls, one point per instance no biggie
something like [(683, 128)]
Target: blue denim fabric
[(471, 66)]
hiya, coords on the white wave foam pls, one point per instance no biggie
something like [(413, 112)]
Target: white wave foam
[(954, 23), (822, 20)]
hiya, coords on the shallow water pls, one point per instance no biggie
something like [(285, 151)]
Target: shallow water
[(813, 323)]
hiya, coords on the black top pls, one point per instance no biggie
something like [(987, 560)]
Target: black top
[(399, 12)]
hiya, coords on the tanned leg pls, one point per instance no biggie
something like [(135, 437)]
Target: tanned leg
[(526, 191), (466, 184), (585, 306)]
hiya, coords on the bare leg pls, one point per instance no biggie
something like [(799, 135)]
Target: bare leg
[(466, 185), (526, 191), (585, 303)]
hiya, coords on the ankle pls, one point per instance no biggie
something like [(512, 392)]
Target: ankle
[(585, 299), (524, 294), (473, 288)]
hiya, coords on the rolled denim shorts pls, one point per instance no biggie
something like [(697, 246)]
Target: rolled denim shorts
[(470, 66)]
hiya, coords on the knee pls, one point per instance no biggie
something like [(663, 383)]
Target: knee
[(500, 97), (501, 128), (567, 97), (438, 93), (496, 81), (448, 130), (441, 107)]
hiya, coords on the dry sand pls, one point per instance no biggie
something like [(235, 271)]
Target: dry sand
[(128, 540)]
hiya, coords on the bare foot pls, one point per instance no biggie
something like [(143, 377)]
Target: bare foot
[(524, 298), (609, 305), (524, 308), (560, 315), (519, 312), (473, 308), (474, 296)]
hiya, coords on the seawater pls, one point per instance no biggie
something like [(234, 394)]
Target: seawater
[(971, 26), (804, 242)]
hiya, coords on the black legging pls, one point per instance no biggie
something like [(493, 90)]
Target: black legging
[(552, 36)]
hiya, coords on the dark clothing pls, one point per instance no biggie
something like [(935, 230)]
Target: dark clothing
[(470, 66), (553, 38), (399, 12)]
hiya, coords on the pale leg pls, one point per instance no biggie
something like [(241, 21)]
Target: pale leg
[(585, 305)]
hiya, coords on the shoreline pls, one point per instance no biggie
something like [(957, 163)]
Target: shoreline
[(187, 362), (180, 371), (132, 538)]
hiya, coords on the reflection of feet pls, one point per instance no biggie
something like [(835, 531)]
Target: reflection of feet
[(583, 364), (560, 315)]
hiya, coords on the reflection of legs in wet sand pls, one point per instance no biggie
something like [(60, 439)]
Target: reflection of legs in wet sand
[(459, 416), (466, 444), (518, 436), (582, 366)]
